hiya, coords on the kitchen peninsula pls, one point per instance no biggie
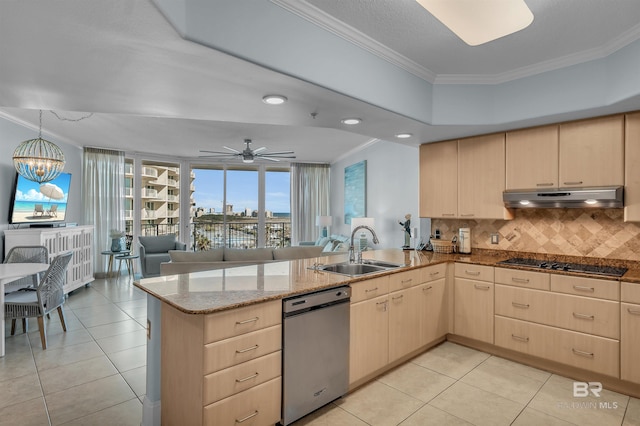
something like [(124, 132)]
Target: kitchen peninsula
[(215, 336)]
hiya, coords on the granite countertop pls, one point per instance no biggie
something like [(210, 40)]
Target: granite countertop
[(207, 292)]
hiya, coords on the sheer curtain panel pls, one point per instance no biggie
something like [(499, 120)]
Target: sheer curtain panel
[(310, 185), (103, 198)]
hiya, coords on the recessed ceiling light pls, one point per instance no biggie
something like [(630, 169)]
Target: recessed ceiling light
[(274, 99), (351, 121), (403, 135)]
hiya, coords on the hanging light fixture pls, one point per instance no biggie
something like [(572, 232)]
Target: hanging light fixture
[(38, 159)]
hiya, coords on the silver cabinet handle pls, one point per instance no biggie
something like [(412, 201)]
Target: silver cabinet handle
[(584, 316), (519, 338), (633, 311), (582, 353), (544, 184), (583, 288), (397, 297), (247, 321), (474, 273), (520, 280), (252, 348), (467, 215), (255, 413), (520, 305), (406, 281), (369, 290), (253, 376), (577, 182), (430, 287), (482, 287), (433, 274), (384, 305), (448, 214)]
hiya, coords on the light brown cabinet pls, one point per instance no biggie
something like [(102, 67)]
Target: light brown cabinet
[(369, 337), (592, 152), (473, 302), (481, 177), (629, 332), (532, 158), (222, 368), (439, 179), (631, 175)]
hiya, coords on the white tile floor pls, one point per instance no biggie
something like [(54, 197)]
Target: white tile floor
[(95, 375)]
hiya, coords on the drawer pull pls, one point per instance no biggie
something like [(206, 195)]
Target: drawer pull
[(467, 215), (433, 274), (474, 273), (544, 184), (384, 305), (253, 376), (247, 321), (584, 316), (582, 353), (575, 182), (430, 287), (255, 413), (519, 338), (369, 290), (520, 280), (583, 288), (406, 281), (520, 305), (633, 311), (252, 348), (448, 214), (397, 297), (482, 287)]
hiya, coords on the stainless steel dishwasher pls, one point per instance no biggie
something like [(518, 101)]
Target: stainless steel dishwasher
[(315, 355)]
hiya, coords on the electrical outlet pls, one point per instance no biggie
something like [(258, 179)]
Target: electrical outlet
[(495, 238)]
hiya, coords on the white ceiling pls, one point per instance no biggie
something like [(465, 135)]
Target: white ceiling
[(152, 91)]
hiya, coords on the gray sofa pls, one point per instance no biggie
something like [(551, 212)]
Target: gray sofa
[(333, 243), (154, 250), (185, 262)]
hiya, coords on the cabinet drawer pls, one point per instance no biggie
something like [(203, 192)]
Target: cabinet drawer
[(435, 272), (474, 272), (629, 344), (239, 321), (226, 353), (588, 315), (593, 353), (528, 279), (406, 279), (630, 292), (589, 287), (257, 406), (369, 289), (241, 377)]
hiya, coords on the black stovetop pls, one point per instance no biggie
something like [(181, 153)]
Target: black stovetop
[(569, 267)]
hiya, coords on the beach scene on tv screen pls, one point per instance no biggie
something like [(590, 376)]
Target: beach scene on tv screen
[(41, 202)]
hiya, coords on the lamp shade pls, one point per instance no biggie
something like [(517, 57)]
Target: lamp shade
[(38, 160), (323, 221), (359, 221)]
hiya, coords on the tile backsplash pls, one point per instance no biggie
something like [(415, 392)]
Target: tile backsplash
[(598, 233)]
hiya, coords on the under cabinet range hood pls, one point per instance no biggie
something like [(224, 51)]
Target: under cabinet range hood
[(598, 197)]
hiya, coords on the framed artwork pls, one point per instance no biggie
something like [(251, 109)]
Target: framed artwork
[(355, 191)]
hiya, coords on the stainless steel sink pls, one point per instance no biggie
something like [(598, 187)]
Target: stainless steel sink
[(382, 263), (357, 269)]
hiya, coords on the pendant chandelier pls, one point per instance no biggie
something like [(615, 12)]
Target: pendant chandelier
[(38, 159)]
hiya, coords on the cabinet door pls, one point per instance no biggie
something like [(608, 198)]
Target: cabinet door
[(481, 177), (631, 175), (473, 309), (592, 152), (369, 342), (439, 179), (532, 158), (404, 320), (629, 343), (433, 313)]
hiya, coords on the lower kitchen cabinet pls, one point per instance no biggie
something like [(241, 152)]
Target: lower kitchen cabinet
[(433, 312), (629, 342), (369, 337), (404, 322), (473, 302)]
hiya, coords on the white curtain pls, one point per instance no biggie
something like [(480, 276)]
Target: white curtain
[(310, 185), (103, 199)]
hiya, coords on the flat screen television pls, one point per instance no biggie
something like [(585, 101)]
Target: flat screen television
[(33, 202)]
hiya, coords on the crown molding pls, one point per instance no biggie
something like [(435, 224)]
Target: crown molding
[(355, 150), (320, 18)]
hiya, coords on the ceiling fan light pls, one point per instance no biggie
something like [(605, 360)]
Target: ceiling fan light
[(274, 99), (351, 121), (478, 22)]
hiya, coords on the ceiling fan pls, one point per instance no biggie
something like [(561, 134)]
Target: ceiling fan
[(248, 155)]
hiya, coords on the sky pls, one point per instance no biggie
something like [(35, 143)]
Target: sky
[(242, 191), (27, 190)]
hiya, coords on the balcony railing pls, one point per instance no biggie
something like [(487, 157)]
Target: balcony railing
[(149, 172), (173, 198), (149, 214), (239, 234), (149, 193), (128, 192)]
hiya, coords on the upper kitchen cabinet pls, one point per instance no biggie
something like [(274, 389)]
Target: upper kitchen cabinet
[(592, 152), (481, 177), (631, 175), (532, 158), (439, 179)]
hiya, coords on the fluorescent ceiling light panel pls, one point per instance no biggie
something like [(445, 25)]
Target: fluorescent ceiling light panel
[(480, 21)]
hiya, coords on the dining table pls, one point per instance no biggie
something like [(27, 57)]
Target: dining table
[(10, 272)]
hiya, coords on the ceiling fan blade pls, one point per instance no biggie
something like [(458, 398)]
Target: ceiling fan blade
[(218, 156), (278, 153), (231, 149), (267, 158), (259, 149), (216, 152)]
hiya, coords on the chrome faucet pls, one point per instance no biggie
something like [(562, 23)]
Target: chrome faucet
[(352, 257)]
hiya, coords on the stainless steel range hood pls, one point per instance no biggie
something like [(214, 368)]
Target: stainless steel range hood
[(601, 197)]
